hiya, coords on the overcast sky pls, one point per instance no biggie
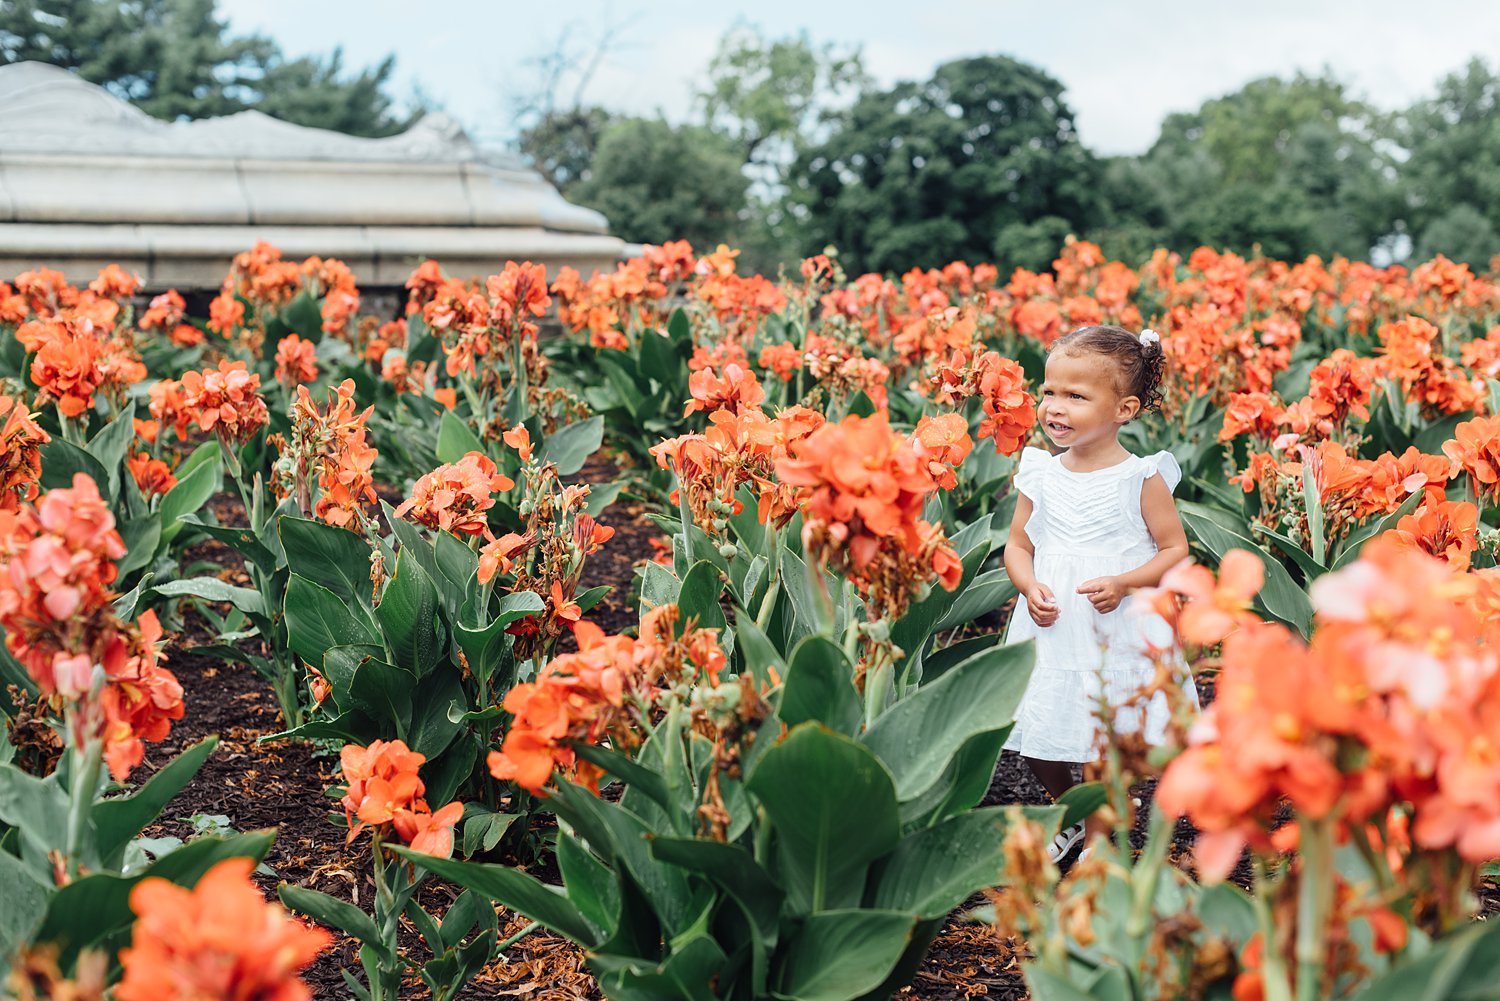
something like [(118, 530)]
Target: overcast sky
[(1124, 63)]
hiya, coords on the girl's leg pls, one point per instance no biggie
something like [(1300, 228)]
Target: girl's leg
[(1057, 778)]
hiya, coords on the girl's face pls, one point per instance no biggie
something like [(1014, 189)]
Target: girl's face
[(1081, 402)]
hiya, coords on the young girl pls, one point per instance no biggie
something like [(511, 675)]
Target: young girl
[(1092, 524)]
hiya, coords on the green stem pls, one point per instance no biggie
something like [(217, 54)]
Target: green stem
[(86, 765), (1314, 896), (1273, 968), (1147, 875), (385, 981), (687, 521), (533, 926)]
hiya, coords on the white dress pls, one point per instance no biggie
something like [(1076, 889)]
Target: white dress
[(1082, 526)]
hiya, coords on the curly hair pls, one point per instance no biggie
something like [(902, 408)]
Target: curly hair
[(1139, 363)]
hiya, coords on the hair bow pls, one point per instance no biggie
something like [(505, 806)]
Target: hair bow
[(1149, 336)]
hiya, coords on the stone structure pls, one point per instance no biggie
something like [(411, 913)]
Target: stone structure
[(86, 179)]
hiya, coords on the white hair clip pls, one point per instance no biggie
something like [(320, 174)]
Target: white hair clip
[(1149, 336)]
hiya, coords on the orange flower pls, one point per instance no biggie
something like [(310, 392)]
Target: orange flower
[(1475, 449), (737, 389), (498, 555), (66, 366), (296, 361), (1448, 530), (784, 359), (454, 497), (225, 400), (153, 476), (429, 833), (1009, 411), (519, 439), (380, 780), (21, 441), (225, 314), (945, 443), (1214, 608), (221, 939), (114, 282), (1250, 413)]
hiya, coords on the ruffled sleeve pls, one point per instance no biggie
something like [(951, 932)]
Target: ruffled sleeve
[(1163, 464), (1034, 462)]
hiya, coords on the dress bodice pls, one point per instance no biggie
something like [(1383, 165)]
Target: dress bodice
[(1093, 512)]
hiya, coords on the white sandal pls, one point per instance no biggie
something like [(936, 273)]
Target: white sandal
[(1064, 842)]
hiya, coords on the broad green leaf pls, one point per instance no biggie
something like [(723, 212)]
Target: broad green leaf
[(384, 693), (834, 806), (432, 727), (335, 913), (456, 439), (317, 620), (819, 686), (62, 460), (841, 954), (592, 887), (1356, 539), (192, 491), (934, 870), (918, 736), (911, 631), (247, 600), (515, 890), (111, 445), (95, 910), (734, 869), (408, 617), (121, 818), (659, 586), (483, 645), (1081, 802), (38, 809), (141, 536), (962, 784), (982, 595), (25, 903), (571, 446), (698, 601), (336, 558), (1281, 596)]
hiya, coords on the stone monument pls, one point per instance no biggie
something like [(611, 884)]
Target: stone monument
[(86, 179)]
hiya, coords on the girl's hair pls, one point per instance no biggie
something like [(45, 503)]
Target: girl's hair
[(1140, 362)]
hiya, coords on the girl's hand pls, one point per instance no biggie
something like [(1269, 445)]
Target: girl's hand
[(1104, 593), (1042, 605)]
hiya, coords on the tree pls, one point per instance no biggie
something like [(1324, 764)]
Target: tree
[(657, 182), (965, 165), (1293, 167), (561, 144), (1454, 142), (1462, 234), (172, 59)]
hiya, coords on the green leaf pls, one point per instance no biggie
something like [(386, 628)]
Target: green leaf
[(317, 620), (141, 536), (911, 631), (333, 557), (97, 907), (456, 439), (698, 601), (571, 446), (515, 890), (247, 600), (483, 645), (408, 616), (111, 445), (1462, 966), (842, 954), (834, 806), (983, 595), (37, 808), (819, 686), (937, 868), (336, 913), (918, 736), (962, 784), (734, 869), (120, 818), (659, 586), (384, 693), (62, 460), (1281, 596), (25, 904), (432, 705), (592, 887), (242, 539), (1081, 802), (192, 491)]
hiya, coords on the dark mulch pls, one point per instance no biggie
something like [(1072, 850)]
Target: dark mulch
[(282, 785)]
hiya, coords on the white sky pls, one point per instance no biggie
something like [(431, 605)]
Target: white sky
[(1124, 63)]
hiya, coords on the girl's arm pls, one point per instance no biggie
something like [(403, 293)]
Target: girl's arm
[(1165, 526), (1019, 564)]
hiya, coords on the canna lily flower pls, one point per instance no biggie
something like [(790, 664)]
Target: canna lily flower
[(21, 441), (429, 833), (455, 496), (1214, 609), (1448, 530), (153, 476), (519, 439), (1475, 448), (221, 939), (296, 361), (225, 400)]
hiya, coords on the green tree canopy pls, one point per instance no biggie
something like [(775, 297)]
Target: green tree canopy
[(173, 59), (657, 182), (964, 165), (1452, 179), (1293, 166)]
